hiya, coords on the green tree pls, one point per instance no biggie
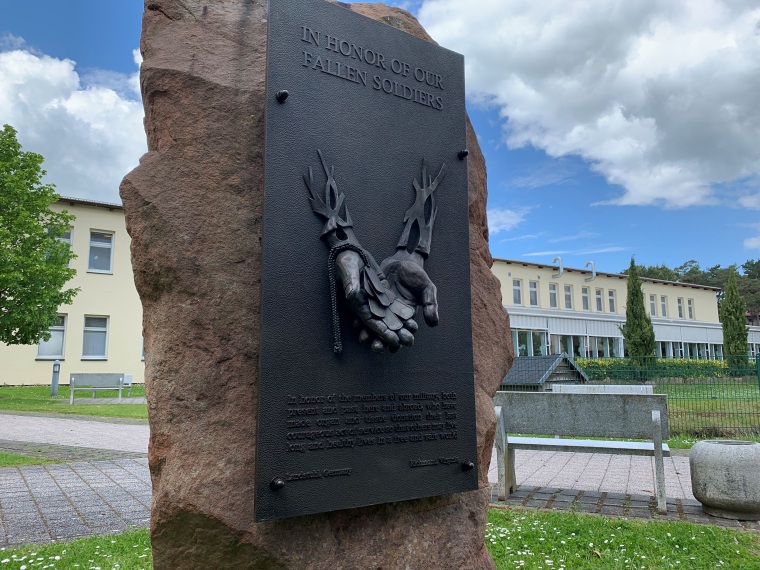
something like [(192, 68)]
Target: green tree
[(732, 316), (661, 272), (638, 331), (751, 269), (33, 260)]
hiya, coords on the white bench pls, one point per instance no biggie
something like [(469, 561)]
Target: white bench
[(634, 416), (94, 381)]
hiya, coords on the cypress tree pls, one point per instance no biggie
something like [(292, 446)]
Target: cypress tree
[(732, 317), (637, 331)]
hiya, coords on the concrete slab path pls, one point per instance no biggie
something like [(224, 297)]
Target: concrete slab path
[(102, 484)]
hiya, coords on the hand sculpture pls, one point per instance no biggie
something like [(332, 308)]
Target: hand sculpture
[(384, 298)]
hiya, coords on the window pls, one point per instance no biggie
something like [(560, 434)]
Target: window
[(600, 300), (690, 305), (533, 292), (664, 306), (529, 342), (680, 308), (517, 291), (553, 295), (611, 296), (584, 299), (53, 348), (95, 341), (568, 297), (101, 250), (66, 238), (539, 343), (652, 305)]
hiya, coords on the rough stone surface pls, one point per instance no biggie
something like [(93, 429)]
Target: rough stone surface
[(724, 478), (194, 208)]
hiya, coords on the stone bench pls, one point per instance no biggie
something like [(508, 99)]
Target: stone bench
[(94, 381), (634, 416), (602, 389)]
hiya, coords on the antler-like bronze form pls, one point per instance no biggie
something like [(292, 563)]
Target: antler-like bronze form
[(384, 297), (416, 214), (325, 208)]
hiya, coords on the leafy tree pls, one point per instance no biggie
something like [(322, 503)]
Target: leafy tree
[(716, 276), (752, 269), (33, 260), (690, 272), (661, 272), (638, 331), (732, 317)]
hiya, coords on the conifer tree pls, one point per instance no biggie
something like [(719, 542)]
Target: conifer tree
[(732, 317), (637, 331)]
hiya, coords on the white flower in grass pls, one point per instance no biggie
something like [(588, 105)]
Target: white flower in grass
[(5, 561)]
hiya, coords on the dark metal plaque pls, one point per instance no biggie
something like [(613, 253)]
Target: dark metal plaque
[(362, 104)]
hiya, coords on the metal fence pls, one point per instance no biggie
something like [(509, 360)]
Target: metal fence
[(706, 398)]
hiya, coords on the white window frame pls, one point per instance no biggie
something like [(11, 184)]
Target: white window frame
[(533, 293), (679, 302), (652, 305), (98, 245), (599, 300), (690, 309), (92, 329), (585, 299), (57, 328), (611, 301), (568, 295), (517, 292), (664, 306), (553, 300)]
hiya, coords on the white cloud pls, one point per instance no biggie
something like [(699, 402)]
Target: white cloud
[(503, 219), (583, 234), (752, 243), (585, 251), (751, 201), (87, 127), (659, 97)]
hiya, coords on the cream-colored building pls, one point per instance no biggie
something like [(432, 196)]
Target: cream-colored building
[(555, 309), (101, 331), (552, 308)]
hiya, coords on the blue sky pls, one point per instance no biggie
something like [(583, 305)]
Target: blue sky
[(627, 128)]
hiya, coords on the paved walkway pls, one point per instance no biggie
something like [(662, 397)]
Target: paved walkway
[(613, 485), (102, 484)]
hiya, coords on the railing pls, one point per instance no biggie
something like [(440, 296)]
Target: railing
[(706, 398)]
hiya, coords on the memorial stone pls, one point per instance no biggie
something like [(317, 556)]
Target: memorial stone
[(194, 211)]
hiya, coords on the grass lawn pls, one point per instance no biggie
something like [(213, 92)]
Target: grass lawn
[(515, 539), (37, 399), (554, 540), (16, 460), (126, 551)]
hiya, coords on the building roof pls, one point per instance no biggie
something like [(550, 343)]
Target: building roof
[(74, 201), (535, 370), (622, 276)]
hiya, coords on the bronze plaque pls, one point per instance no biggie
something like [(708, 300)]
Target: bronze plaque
[(365, 208)]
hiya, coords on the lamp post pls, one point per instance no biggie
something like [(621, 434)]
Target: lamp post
[(56, 372)]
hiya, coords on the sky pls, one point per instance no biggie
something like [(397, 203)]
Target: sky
[(610, 129)]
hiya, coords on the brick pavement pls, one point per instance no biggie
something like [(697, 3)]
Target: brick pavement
[(103, 484), (604, 484)]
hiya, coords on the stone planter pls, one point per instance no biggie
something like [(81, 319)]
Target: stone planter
[(725, 478)]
